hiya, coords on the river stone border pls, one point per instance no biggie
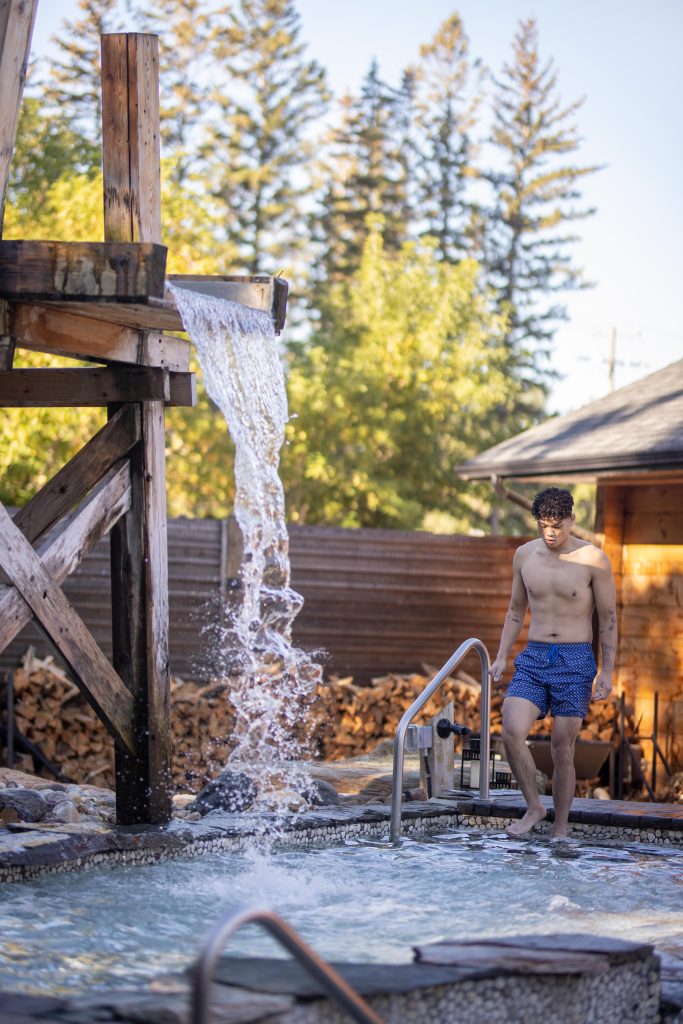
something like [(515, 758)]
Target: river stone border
[(28, 850)]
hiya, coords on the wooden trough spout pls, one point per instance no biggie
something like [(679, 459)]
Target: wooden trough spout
[(257, 292)]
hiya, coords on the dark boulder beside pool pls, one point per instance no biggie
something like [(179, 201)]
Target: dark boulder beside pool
[(231, 791), (25, 803), (322, 794)]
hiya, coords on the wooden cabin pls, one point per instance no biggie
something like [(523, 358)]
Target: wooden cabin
[(630, 443)]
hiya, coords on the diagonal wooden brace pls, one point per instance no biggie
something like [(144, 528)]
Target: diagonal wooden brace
[(62, 553), (65, 630)]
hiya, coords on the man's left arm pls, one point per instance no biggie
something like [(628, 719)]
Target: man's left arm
[(605, 596)]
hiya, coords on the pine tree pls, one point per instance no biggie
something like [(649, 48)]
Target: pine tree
[(182, 27), (536, 191), (447, 97), (368, 172), (266, 104), (73, 81)]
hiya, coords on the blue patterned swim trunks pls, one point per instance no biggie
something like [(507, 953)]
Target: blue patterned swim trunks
[(558, 677)]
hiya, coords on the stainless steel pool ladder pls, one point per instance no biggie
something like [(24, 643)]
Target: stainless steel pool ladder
[(416, 707), (335, 986)]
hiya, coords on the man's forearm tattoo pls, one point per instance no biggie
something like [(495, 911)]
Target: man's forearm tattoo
[(608, 655)]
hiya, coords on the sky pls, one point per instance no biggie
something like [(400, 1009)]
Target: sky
[(623, 58)]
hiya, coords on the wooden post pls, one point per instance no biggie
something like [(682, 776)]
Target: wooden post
[(17, 18), (442, 754), (132, 213)]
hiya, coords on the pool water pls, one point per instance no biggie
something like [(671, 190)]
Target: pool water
[(359, 901)]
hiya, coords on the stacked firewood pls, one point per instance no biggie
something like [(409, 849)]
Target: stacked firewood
[(345, 720), (359, 717)]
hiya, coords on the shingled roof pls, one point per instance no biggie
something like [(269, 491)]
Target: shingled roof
[(635, 428)]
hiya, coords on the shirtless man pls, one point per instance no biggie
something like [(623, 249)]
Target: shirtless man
[(560, 578)]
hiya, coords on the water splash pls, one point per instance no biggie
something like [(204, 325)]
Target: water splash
[(272, 683)]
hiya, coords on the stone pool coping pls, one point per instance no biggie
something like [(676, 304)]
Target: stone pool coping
[(28, 850), (565, 978)]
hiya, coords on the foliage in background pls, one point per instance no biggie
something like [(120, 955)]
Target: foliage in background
[(409, 355), (401, 381)]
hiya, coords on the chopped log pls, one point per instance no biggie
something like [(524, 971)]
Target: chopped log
[(16, 28), (48, 388), (82, 271)]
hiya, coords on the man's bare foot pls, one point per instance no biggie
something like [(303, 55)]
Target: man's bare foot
[(561, 835), (525, 824)]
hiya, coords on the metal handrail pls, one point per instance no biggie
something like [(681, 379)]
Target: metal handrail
[(416, 707), (203, 968)]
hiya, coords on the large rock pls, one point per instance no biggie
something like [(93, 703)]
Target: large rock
[(27, 804), (322, 794), (231, 791)]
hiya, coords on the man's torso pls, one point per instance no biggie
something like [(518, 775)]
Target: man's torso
[(560, 593)]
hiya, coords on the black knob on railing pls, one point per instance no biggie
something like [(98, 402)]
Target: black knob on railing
[(444, 728)]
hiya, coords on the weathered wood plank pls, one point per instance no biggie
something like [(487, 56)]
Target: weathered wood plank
[(654, 527), (139, 580), (66, 631), (130, 112), (17, 18), (45, 388), (81, 386), (62, 553), (268, 294), (78, 476), (86, 271), (652, 559), (132, 211), (107, 332)]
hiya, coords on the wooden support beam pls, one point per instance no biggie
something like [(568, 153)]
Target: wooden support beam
[(130, 137), (90, 331), (80, 475), (63, 551), (45, 388), (66, 632), (17, 18), (85, 271), (139, 568)]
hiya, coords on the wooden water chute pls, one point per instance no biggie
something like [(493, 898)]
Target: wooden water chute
[(105, 303)]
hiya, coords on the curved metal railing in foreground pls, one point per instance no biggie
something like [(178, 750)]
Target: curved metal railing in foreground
[(416, 707), (332, 983)]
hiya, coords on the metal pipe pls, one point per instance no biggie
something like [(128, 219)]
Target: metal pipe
[(329, 980), (416, 707)]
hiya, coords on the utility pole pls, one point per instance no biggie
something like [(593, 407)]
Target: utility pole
[(612, 356)]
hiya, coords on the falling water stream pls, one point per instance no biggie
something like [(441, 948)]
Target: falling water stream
[(272, 682)]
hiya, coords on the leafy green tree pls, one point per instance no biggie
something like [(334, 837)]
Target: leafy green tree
[(267, 100), (404, 378), (537, 190), (47, 148), (447, 98)]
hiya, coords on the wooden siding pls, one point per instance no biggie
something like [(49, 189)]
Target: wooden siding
[(643, 528), (375, 600)]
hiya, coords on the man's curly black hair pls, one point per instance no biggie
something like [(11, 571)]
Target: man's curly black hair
[(553, 504)]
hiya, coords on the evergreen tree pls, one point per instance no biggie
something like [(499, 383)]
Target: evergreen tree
[(446, 105), (536, 192), (261, 140), (74, 84), (368, 172), (182, 27)]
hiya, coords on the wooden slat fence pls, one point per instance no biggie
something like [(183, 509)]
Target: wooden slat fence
[(375, 600)]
